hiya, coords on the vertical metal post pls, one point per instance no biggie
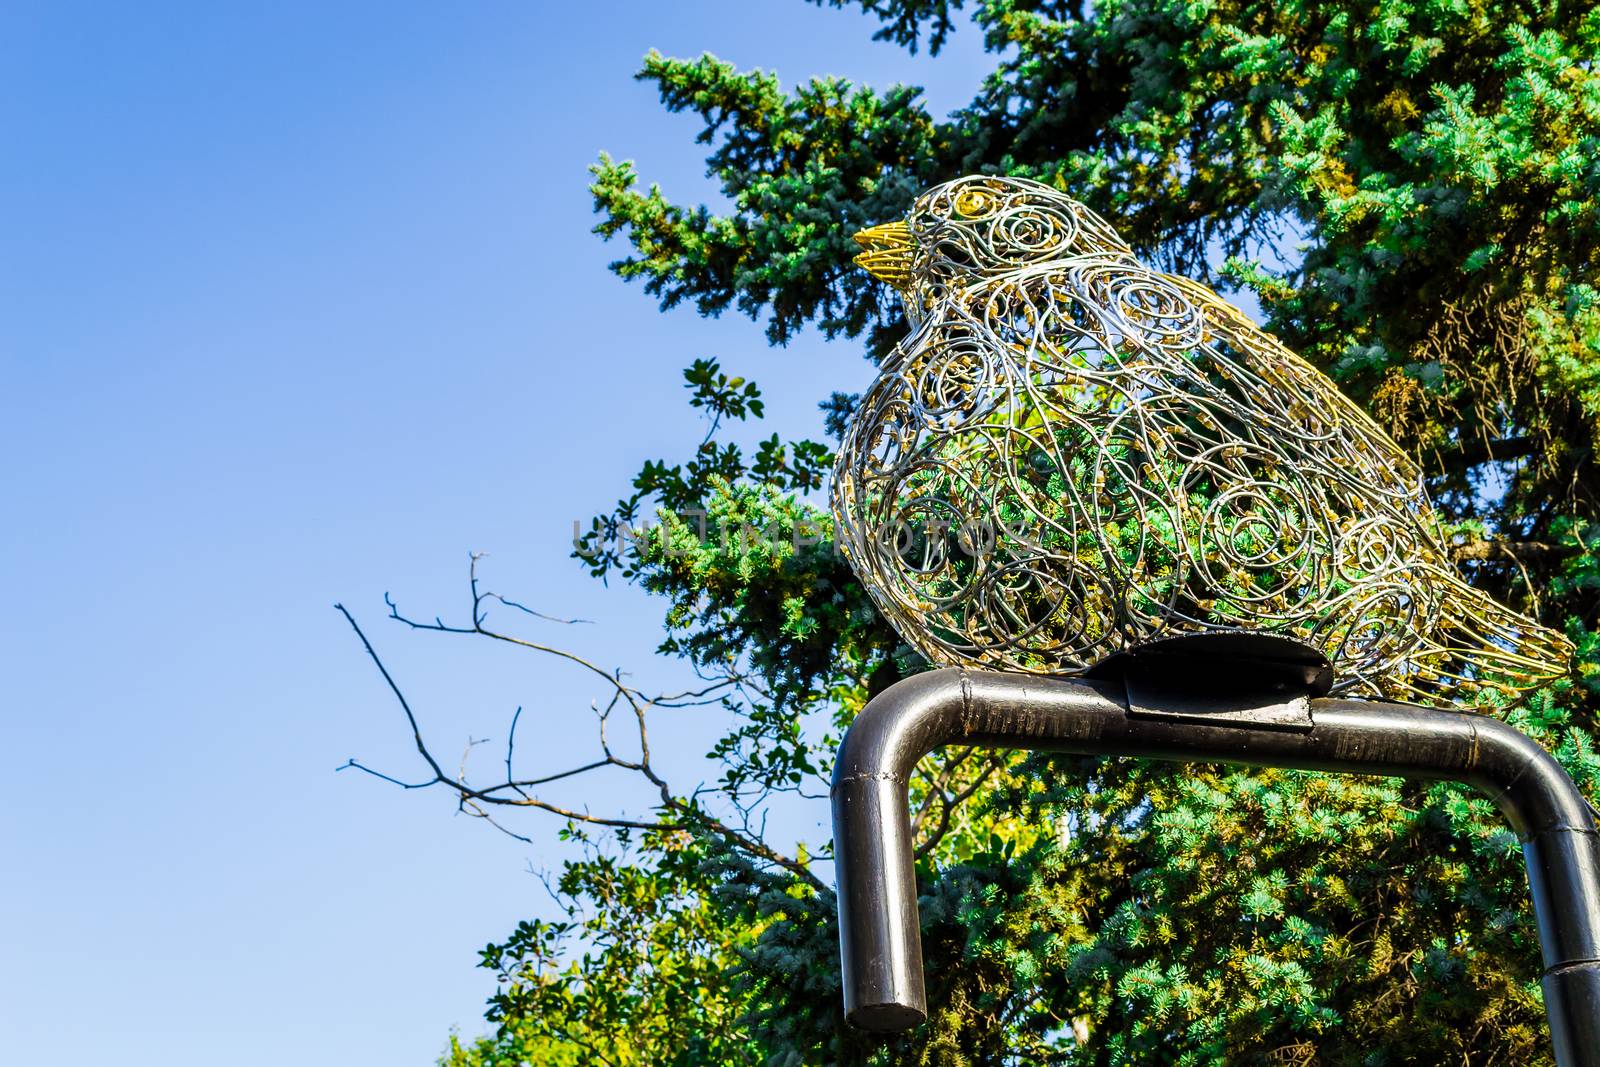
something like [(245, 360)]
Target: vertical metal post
[(879, 933)]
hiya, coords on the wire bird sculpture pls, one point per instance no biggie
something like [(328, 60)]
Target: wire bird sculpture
[(1072, 453)]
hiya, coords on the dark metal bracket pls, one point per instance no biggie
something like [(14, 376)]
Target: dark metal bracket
[(1234, 678), (1196, 703)]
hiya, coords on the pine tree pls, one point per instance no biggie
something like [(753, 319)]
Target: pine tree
[(1412, 193)]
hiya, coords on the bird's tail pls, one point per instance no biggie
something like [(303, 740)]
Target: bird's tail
[(1480, 644)]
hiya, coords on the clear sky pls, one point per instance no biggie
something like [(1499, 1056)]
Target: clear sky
[(298, 303)]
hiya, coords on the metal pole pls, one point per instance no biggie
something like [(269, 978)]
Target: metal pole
[(879, 934)]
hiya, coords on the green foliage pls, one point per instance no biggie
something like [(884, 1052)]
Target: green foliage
[(650, 982), (682, 490), (1410, 189), (720, 395)]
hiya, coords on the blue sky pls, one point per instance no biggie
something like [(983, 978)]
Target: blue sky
[(298, 303)]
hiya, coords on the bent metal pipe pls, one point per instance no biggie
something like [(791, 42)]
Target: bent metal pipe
[(879, 932)]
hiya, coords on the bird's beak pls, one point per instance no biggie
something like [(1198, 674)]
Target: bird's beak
[(887, 253)]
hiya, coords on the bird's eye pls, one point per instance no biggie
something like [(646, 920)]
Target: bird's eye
[(974, 202)]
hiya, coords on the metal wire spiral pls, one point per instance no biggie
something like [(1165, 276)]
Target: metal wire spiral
[(1072, 453)]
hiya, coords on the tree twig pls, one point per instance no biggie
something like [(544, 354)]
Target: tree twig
[(671, 811)]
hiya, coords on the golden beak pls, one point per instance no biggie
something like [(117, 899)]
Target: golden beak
[(887, 254)]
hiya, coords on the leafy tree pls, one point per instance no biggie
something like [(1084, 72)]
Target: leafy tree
[(1412, 193)]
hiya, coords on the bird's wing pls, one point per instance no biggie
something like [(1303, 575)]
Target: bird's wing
[(1300, 392), (1232, 484)]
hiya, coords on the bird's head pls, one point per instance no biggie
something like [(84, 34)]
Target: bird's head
[(974, 228)]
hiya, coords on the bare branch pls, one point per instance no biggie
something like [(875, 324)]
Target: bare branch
[(536, 614), (416, 731), (1506, 551), (937, 787), (951, 804), (671, 811)]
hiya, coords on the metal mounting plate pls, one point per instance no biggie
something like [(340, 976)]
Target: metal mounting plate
[(1222, 678)]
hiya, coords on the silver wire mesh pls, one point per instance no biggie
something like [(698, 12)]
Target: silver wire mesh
[(1072, 453)]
